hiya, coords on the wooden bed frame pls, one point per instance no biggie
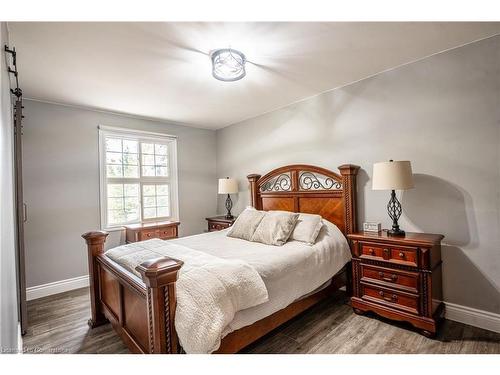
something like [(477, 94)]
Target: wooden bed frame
[(143, 311)]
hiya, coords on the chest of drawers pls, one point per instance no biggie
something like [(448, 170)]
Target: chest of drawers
[(398, 277), (159, 229)]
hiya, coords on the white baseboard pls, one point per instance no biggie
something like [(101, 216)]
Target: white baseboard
[(56, 287), (473, 317)]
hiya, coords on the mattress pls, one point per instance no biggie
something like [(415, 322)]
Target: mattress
[(289, 272)]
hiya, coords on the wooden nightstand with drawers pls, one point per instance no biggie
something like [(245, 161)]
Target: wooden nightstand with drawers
[(398, 277), (163, 230), (219, 222)]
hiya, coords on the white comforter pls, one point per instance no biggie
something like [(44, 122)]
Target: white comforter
[(210, 290), (289, 272)]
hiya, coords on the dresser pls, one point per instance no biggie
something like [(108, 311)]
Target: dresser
[(145, 231), (398, 277), (216, 223)]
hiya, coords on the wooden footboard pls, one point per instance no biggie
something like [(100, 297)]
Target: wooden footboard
[(141, 311)]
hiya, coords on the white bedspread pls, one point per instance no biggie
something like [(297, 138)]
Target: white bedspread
[(210, 290), (289, 272)]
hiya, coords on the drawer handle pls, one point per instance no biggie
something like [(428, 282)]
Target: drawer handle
[(401, 255), (371, 251), (393, 278), (149, 234), (392, 298), (386, 251)]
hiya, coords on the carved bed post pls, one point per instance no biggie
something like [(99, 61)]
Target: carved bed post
[(253, 178), (349, 172), (95, 246), (160, 275)]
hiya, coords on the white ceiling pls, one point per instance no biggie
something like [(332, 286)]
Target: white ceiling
[(162, 70)]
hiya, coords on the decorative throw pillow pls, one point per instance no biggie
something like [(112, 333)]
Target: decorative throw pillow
[(246, 223), (307, 228), (275, 228)]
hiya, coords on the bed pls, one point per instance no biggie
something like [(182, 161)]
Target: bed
[(141, 302)]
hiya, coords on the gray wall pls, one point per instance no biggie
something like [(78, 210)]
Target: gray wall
[(8, 280), (61, 184), (442, 113)]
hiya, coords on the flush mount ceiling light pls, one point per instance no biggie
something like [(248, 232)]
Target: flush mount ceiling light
[(228, 64)]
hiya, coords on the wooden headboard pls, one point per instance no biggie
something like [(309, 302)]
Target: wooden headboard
[(309, 189)]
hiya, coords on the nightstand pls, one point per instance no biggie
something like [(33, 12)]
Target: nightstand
[(219, 222), (164, 230), (398, 277)]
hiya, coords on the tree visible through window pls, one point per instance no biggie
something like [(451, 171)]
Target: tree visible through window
[(138, 177)]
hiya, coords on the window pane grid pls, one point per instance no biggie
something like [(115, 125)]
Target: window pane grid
[(123, 203), (155, 201), (122, 159), (132, 166), (154, 160)]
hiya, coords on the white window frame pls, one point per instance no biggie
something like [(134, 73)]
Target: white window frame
[(140, 136)]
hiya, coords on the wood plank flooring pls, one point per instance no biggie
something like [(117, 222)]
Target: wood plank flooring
[(58, 324)]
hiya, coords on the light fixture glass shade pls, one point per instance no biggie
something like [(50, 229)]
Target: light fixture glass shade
[(228, 186), (228, 64), (392, 175)]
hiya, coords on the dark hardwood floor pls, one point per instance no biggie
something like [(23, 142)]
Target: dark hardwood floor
[(58, 324)]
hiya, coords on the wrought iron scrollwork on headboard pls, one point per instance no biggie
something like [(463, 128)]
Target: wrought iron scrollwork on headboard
[(310, 181), (309, 189), (281, 183)]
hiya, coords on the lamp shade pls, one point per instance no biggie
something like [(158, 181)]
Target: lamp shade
[(392, 175), (228, 186)]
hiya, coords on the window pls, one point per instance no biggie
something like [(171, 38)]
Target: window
[(138, 177)]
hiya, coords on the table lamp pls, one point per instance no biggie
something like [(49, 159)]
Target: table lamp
[(228, 186), (393, 175)]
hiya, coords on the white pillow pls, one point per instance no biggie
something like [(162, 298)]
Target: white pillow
[(275, 228), (245, 225), (307, 228)]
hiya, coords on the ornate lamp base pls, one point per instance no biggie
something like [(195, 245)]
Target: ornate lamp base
[(394, 208), (229, 205), (396, 233)]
